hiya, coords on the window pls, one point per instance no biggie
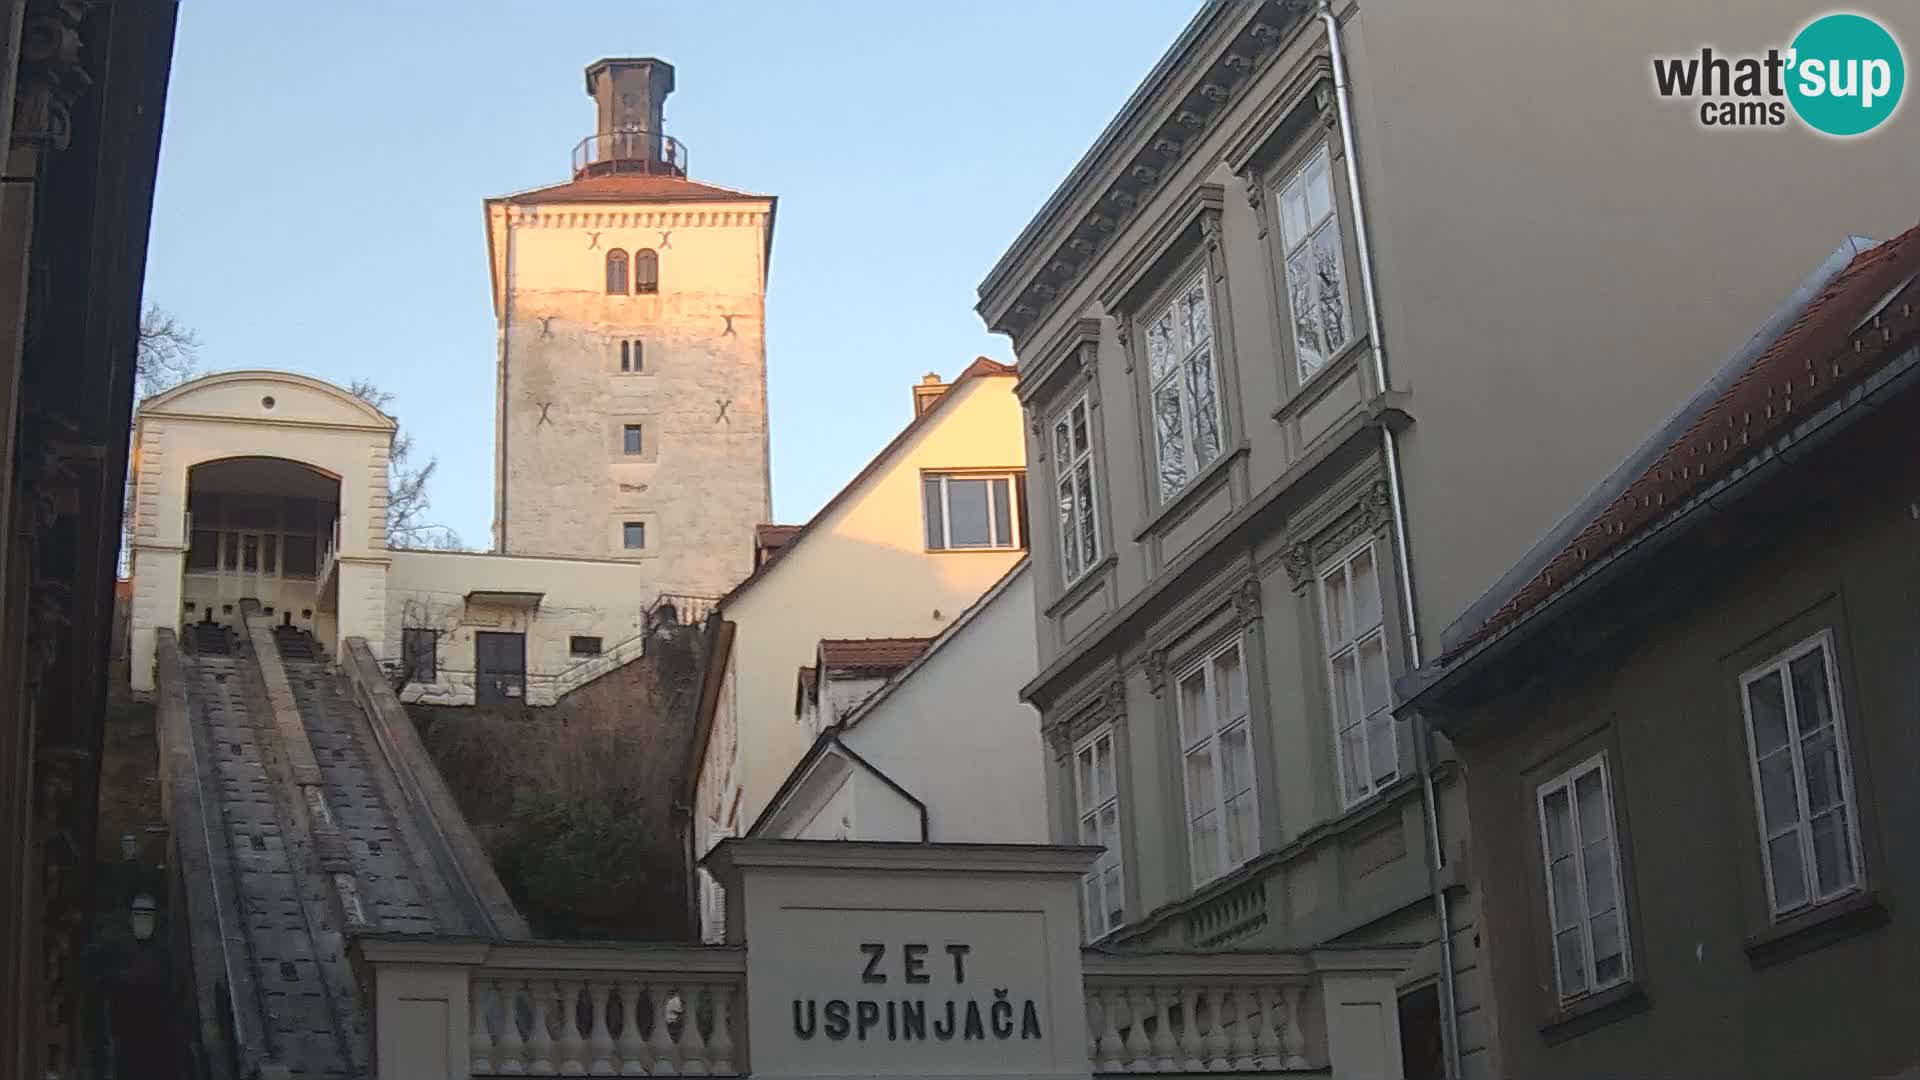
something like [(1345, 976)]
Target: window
[(1583, 880), (630, 439), (300, 556), (1184, 395), (203, 552), (646, 271), (417, 654), (583, 646), (975, 511), (1073, 468), (633, 535), (1097, 799), (1357, 678), (1217, 747), (1802, 779), (616, 273), (632, 358), (1316, 275)]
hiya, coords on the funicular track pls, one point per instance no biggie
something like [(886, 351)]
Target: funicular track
[(300, 825)]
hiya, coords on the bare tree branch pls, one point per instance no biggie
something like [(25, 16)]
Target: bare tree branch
[(167, 355), (407, 501)]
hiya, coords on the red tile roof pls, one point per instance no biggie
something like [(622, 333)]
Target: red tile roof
[(628, 187), (871, 655), (1822, 352), (771, 538)]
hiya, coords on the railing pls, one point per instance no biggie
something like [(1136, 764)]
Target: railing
[(629, 152), (328, 552), (1195, 1012)]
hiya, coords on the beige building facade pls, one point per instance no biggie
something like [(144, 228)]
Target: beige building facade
[(631, 304), (272, 487), (1312, 342), (912, 542)]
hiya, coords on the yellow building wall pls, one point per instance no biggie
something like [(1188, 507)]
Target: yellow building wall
[(565, 485)]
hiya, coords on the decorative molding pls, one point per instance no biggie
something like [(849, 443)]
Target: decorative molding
[(1298, 559), (540, 216), (1246, 602), (1257, 202), (1376, 505), (1114, 700), (1130, 176), (1210, 230), (1155, 666), (52, 77)]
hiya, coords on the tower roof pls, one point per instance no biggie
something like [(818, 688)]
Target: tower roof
[(628, 187)]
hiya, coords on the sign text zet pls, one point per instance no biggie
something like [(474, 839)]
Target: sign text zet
[(911, 1015)]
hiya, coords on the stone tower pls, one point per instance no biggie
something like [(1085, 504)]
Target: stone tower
[(631, 299)]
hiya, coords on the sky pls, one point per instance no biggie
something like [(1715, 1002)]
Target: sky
[(322, 170)]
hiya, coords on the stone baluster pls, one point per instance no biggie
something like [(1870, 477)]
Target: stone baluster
[(634, 1058), (1139, 1051), (1166, 1001), (600, 1043), (572, 1048), (1216, 1028), (511, 1059), (660, 1043), (693, 1048), (479, 1039), (1266, 1043), (1296, 1039), (720, 1047), (1190, 1044), (1244, 1017), (540, 1042), (1106, 1043)]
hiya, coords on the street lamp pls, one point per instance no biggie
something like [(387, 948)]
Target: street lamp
[(142, 917)]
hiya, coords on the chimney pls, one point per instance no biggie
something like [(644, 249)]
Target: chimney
[(926, 392), (628, 96)]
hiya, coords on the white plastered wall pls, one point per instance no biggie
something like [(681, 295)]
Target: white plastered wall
[(256, 414), (599, 598)]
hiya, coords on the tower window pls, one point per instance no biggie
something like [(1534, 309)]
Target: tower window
[(616, 273), (630, 439), (633, 535), (646, 271), (632, 355)]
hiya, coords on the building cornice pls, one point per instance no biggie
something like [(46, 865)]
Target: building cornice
[(1155, 133)]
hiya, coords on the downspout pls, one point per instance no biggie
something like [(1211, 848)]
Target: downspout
[(1403, 564)]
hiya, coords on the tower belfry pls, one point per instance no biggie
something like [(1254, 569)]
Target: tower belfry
[(631, 418)]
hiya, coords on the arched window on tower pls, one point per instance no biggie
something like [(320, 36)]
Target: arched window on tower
[(616, 273), (646, 271)]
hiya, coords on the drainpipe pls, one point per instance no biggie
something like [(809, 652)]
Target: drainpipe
[(1396, 498)]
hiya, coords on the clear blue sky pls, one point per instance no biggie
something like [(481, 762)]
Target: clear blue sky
[(321, 178)]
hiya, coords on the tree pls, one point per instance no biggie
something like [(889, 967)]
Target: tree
[(407, 501), (167, 355)]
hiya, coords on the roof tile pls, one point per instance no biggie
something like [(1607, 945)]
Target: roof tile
[(849, 655), (1804, 366)]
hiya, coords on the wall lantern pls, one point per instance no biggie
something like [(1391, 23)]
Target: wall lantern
[(142, 917), (129, 847)]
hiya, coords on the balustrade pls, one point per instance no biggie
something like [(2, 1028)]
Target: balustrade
[(610, 1024), (1174, 1012)]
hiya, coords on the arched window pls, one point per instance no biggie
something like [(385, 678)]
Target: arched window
[(616, 273), (646, 271)]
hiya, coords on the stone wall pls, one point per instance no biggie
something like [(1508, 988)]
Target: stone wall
[(619, 740)]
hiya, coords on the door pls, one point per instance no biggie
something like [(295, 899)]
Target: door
[(500, 667)]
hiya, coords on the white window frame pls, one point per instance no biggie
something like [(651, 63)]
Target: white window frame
[(1177, 375), (1088, 808), (1565, 782), (1081, 519), (1334, 651), (1014, 478), (1782, 662), (1211, 739), (1290, 247)]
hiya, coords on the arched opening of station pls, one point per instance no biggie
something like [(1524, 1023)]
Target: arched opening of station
[(263, 529)]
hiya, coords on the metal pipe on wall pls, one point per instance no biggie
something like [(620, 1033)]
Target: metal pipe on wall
[(1403, 563)]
